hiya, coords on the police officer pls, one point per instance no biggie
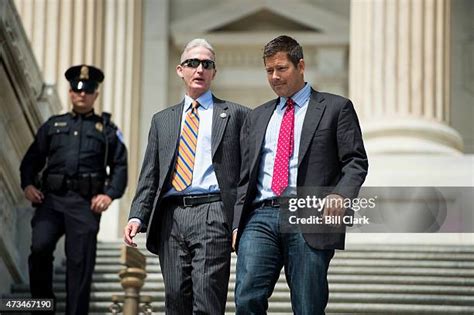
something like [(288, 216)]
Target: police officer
[(83, 162)]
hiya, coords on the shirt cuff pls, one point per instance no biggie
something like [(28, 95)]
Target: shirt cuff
[(136, 220)]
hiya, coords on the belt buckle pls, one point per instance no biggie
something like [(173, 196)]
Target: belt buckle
[(275, 203), (185, 198)]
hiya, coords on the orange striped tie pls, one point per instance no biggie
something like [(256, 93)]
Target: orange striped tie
[(183, 173)]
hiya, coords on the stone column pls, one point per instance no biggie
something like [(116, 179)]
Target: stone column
[(154, 76), (399, 75)]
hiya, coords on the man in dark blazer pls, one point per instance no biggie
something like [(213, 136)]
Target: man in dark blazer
[(187, 189), (300, 140)]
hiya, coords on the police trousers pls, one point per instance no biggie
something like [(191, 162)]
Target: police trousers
[(68, 214)]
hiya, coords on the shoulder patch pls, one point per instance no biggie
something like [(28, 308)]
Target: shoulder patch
[(119, 134)]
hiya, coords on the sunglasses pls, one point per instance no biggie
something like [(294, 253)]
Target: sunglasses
[(86, 86), (87, 91), (194, 63)]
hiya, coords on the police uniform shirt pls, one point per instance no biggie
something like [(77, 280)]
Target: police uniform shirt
[(74, 144)]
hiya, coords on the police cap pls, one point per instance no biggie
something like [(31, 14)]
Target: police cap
[(84, 78)]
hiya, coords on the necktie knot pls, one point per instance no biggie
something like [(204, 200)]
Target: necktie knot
[(195, 105), (290, 103)]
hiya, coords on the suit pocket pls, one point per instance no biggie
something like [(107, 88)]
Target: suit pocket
[(217, 220)]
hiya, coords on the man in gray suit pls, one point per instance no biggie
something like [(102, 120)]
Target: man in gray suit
[(187, 189)]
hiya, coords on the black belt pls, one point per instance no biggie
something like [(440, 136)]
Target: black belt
[(194, 200), (72, 184), (268, 203), (88, 184)]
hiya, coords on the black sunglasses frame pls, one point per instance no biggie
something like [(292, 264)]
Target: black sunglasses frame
[(87, 91), (194, 63)]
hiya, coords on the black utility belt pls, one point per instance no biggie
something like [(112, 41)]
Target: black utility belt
[(87, 184), (193, 200)]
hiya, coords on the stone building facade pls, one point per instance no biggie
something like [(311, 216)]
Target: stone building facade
[(407, 64)]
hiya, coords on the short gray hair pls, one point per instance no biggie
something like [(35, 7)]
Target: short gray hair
[(198, 42)]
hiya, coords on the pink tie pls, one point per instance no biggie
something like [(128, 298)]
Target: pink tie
[(284, 149)]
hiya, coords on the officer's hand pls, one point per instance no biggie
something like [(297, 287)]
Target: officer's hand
[(234, 239), (100, 203), (130, 232), (334, 208), (33, 194)]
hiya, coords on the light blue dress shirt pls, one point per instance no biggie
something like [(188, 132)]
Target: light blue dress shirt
[(269, 146), (204, 176)]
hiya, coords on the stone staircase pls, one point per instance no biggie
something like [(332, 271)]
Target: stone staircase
[(363, 279)]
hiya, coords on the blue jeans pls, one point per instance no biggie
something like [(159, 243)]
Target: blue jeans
[(263, 251)]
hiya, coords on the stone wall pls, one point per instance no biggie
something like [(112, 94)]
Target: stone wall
[(25, 102)]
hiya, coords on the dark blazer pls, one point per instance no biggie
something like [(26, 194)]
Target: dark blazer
[(160, 156), (331, 154)]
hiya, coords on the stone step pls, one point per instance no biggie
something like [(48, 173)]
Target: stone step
[(405, 280), (399, 309), (350, 262), (441, 292), (351, 308), (370, 248), (339, 270), (347, 254), (335, 297), (400, 279), (357, 263)]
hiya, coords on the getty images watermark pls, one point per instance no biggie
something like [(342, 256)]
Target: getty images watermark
[(379, 210), (335, 202)]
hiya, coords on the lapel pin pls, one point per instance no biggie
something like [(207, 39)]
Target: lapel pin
[(223, 115)]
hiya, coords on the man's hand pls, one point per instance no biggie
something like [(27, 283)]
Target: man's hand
[(334, 207), (100, 203), (33, 194), (130, 232), (234, 239)]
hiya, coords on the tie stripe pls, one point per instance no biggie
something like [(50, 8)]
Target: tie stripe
[(183, 173)]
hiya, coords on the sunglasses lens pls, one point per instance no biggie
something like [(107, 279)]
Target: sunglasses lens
[(194, 63), (87, 91), (208, 64)]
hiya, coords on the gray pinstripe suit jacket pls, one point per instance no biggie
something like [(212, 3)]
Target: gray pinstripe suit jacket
[(159, 161)]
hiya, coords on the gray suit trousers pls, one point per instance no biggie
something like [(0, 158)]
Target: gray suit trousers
[(194, 252)]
